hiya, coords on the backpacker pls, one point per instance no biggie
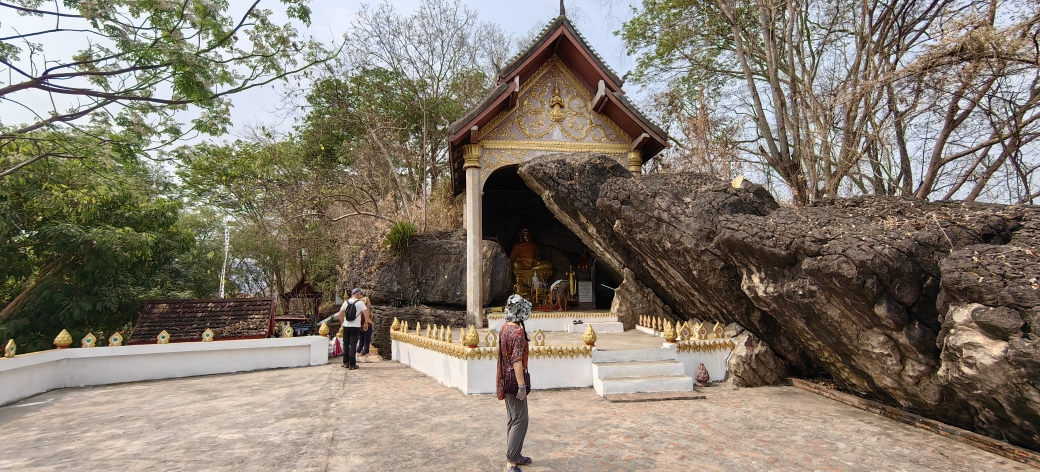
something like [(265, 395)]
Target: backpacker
[(351, 313)]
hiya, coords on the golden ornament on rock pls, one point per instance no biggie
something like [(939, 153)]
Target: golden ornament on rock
[(63, 340), (396, 325), (88, 341), (471, 340), (10, 349), (590, 336), (669, 332), (324, 330)]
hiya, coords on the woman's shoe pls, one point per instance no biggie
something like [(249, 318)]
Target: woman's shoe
[(524, 460), (514, 469)]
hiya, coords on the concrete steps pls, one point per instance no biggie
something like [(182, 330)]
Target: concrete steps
[(638, 371)]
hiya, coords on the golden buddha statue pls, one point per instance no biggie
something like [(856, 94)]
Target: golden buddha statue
[(525, 255)]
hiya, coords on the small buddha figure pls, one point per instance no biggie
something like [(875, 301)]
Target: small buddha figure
[(525, 255)]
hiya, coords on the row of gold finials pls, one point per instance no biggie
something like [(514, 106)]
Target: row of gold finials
[(682, 332), (64, 340)]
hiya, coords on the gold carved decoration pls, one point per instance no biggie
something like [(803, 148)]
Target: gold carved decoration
[(339, 334), (685, 332), (208, 334), (163, 338), (556, 112), (463, 351), (287, 331), (718, 330), (63, 340), (396, 325), (590, 336), (491, 338), (10, 349), (471, 155), (88, 341), (669, 332), (471, 339), (709, 345), (324, 329), (539, 338), (116, 340), (545, 315)]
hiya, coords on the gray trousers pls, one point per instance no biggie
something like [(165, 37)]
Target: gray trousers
[(516, 429)]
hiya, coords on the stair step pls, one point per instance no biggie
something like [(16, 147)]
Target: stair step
[(650, 384), (632, 355), (599, 328), (611, 370), (653, 397)]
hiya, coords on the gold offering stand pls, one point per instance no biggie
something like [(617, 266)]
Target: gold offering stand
[(524, 279)]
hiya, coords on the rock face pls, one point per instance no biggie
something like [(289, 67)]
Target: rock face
[(383, 318), (662, 228), (753, 364), (432, 271), (632, 299), (932, 306)]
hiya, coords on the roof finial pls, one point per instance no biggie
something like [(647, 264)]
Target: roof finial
[(563, 11)]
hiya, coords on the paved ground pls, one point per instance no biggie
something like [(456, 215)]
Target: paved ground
[(388, 417)]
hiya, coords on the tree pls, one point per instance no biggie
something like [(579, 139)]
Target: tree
[(908, 98), (82, 243), (141, 62)]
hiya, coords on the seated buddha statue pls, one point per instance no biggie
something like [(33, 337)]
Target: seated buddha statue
[(525, 255)]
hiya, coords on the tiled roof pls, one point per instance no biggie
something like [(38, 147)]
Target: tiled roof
[(543, 35), (186, 320)]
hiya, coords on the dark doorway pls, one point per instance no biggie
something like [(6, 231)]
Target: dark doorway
[(510, 206)]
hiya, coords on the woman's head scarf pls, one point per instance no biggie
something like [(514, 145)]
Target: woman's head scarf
[(517, 309)]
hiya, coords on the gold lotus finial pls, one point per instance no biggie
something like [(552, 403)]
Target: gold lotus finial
[(404, 327), (63, 340), (471, 339), (669, 332), (590, 336), (89, 340), (396, 325), (339, 334), (116, 339), (208, 335), (324, 330), (10, 349), (163, 338), (462, 335)]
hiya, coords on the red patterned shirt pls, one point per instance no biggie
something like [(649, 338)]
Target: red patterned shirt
[(514, 349)]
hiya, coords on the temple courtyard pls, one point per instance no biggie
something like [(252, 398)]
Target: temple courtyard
[(386, 416)]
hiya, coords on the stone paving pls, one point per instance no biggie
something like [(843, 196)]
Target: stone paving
[(385, 416)]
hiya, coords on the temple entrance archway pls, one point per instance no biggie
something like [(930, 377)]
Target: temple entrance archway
[(510, 206)]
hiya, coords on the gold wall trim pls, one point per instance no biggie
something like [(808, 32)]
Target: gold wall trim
[(460, 351), (567, 146), (710, 345), (555, 315)]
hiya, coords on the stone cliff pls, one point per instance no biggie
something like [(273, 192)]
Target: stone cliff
[(933, 306)]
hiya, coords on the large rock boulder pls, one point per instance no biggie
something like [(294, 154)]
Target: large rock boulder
[(432, 271), (383, 318), (661, 228), (753, 364), (932, 306)]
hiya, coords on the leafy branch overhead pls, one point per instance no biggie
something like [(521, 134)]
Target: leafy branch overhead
[(140, 62)]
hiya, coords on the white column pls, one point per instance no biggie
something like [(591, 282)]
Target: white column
[(474, 235)]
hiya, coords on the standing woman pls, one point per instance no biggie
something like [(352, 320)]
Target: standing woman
[(366, 331), (513, 379)]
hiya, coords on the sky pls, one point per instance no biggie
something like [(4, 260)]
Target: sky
[(330, 19), (595, 19)]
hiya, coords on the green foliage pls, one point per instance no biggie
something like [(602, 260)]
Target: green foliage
[(82, 244), (399, 238)]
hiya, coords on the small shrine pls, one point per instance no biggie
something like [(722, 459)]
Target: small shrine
[(557, 96), (300, 307)]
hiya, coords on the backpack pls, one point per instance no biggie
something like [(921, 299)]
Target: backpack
[(351, 313)]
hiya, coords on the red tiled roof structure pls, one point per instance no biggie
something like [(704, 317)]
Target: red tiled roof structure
[(186, 320)]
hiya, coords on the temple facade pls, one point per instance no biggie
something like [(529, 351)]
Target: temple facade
[(557, 96)]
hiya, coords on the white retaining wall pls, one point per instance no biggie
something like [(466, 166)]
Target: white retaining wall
[(475, 376), (31, 374), (555, 324)]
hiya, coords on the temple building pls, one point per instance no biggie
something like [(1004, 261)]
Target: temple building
[(557, 96)]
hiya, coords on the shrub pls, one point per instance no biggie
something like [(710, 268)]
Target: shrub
[(399, 237)]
